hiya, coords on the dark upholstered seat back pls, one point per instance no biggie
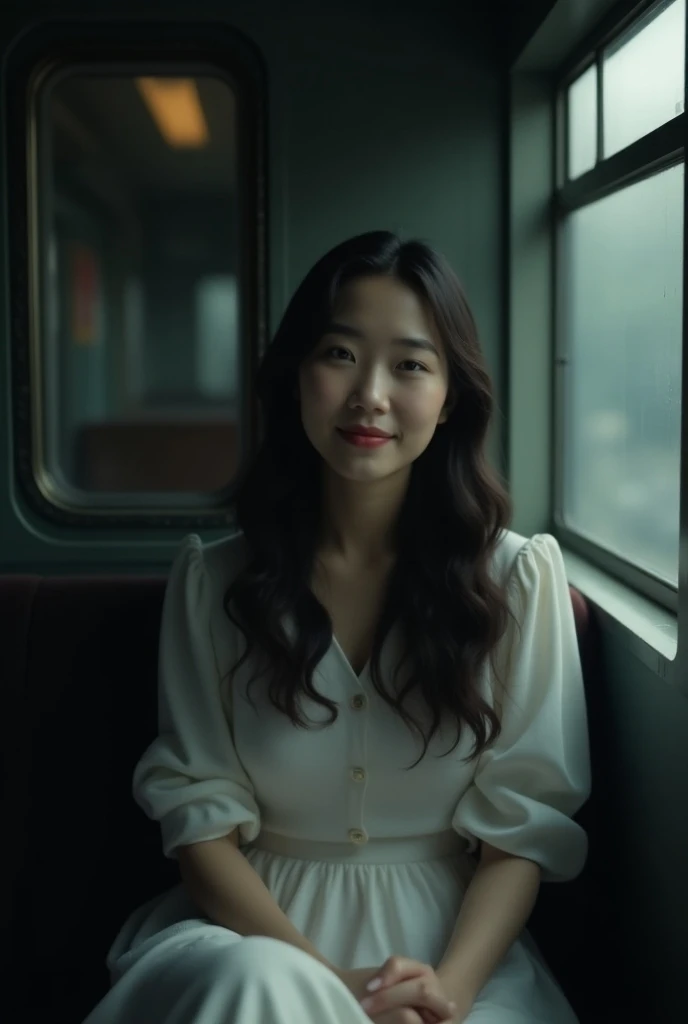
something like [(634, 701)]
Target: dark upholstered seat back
[(79, 659), (78, 670)]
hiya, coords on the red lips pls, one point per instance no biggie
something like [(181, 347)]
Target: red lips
[(365, 437), (365, 431)]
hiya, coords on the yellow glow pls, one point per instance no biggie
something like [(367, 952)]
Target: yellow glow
[(175, 106)]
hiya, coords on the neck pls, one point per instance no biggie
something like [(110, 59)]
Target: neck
[(359, 518)]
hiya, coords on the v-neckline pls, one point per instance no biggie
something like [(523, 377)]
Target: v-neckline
[(364, 671)]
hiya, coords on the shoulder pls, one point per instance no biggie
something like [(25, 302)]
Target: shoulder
[(212, 565), (516, 556), (506, 553), (536, 588)]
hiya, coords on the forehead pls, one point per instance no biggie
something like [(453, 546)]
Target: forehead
[(385, 305)]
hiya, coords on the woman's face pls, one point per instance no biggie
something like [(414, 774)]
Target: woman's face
[(379, 365)]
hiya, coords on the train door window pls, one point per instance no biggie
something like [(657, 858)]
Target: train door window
[(620, 311), (141, 287)]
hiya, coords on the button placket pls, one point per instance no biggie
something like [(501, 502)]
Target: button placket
[(356, 768)]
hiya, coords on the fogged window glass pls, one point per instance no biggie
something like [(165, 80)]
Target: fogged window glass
[(140, 301), (644, 78), (583, 123), (622, 268)]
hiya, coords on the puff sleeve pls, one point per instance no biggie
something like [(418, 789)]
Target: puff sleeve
[(190, 779), (536, 775)]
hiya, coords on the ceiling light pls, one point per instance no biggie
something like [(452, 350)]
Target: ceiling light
[(175, 106)]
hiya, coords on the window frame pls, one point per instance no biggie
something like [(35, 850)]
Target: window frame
[(55, 46), (660, 149)]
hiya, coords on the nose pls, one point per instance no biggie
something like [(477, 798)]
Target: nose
[(370, 393)]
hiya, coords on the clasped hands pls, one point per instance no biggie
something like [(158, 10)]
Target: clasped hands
[(403, 991)]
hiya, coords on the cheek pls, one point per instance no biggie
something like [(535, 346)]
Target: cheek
[(423, 406), (321, 390)]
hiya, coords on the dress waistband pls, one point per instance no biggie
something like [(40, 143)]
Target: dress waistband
[(373, 851)]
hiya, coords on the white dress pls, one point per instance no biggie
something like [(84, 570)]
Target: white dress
[(366, 858)]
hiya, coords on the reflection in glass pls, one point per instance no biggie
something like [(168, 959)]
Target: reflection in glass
[(622, 274), (583, 123), (139, 338), (644, 75), (216, 319)]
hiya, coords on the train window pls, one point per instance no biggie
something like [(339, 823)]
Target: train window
[(139, 231), (644, 74), (582, 135), (622, 261), (620, 321)]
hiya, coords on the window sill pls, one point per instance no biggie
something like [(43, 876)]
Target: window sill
[(649, 630)]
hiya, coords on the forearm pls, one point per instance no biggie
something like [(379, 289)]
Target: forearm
[(495, 909), (223, 884)]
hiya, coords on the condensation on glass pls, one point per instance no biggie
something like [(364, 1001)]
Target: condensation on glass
[(582, 123), (138, 354), (622, 268), (643, 77)]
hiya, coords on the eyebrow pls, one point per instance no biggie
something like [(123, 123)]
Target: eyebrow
[(354, 332)]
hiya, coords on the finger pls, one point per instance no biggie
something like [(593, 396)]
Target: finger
[(395, 969), (421, 994), (399, 1016), (428, 1017), (407, 1015)]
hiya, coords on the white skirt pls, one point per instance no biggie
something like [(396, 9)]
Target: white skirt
[(358, 906)]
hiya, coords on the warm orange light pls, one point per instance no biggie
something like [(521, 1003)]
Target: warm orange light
[(175, 106)]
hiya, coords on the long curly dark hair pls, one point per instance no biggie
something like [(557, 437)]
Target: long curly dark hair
[(452, 613)]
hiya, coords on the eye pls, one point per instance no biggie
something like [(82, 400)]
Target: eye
[(412, 366), (337, 352)]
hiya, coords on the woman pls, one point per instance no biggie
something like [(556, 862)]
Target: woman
[(372, 729)]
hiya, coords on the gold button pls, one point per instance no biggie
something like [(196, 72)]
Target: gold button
[(358, 701), (357, 836), (358, 774)]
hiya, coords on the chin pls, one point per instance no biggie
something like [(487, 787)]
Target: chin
[(364, 472)]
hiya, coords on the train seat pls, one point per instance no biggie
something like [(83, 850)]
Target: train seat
[(78, 662)]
